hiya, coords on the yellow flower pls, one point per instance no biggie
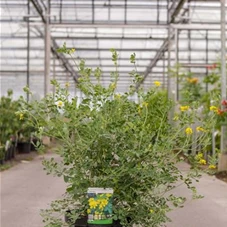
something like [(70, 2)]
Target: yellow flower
[(108, 195), (213, 108), (157, 83), (151, 211), (91, 199), (59, 103), (21, 116), (67, 84), (188, 131), (184, 108), (212, 167), (202, 162), (118, 96), (200, 129), (199, 156), (139, 109), (193, 80), (145, 104), (113, 86), (92, 203), (88, 211)]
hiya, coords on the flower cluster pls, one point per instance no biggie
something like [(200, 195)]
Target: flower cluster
[(220, 111), (184, 108), (59, 104), (193, 80), (157, 83), (188, 131), (212, 166), (213, 108), (200, 159), (212, 67), (98, 203), (200, 129)]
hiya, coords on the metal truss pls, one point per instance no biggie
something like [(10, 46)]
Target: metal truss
[(77, 22)]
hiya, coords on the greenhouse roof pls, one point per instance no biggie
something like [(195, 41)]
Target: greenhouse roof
[(160, 32)]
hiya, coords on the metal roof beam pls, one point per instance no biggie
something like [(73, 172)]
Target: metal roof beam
[(54, 45), (104, 59), (106, 38), (162, 49), (164, 46)]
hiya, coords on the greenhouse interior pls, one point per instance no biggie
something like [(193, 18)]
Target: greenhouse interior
[(113, 113)]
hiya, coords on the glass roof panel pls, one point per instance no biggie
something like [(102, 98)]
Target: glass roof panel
[(93, 27)]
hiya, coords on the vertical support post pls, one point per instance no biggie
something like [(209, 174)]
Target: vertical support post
[(169, 80), (164, 72), (93, 11), (189, 48), (222, 165), (28, 48), (207, 58), (60, 12), (109, 12), (158, 13), (223, 72), (47, 50), (125, 17), (67, 78), (176, 62), (189, 35), (54, 72), (169, 51)]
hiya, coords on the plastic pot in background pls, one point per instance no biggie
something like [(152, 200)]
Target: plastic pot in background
[(14, 145), (2, 161), (8, 154), (11, 151), (23, 147)]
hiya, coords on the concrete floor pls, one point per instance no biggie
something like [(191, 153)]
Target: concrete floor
[(209, 211), (25, 189)]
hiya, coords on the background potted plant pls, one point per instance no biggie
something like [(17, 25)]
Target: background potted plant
[(9, 124), (107, 140), (205, 93), (24, 139)]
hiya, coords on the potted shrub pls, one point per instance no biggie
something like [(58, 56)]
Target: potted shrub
[(106, 140), (25, 135), (9, 123), (206, 93)]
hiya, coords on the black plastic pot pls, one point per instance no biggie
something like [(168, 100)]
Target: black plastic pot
[(8, 154), (1, 161), (82, 222), (11, 152), (23, 147), (2, 155)]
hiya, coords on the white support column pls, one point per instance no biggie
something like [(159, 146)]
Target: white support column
[(223, 157), (47, 50), (176, 88), (54, 72)]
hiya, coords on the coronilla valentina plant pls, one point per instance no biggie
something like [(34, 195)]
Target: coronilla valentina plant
[(107, 140)]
